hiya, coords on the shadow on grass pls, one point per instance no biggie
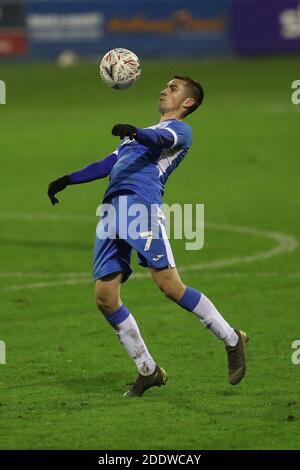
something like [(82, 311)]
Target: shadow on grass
[(107, 384)]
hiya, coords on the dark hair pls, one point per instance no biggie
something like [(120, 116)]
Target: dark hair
[(195, 91)]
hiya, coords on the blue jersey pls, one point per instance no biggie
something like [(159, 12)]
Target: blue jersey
[(144, 164)]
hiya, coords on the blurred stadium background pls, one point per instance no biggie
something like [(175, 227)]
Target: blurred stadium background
[(43, 29), (62, 384)]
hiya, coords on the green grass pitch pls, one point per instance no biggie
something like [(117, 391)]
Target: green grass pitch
[(62, 385)]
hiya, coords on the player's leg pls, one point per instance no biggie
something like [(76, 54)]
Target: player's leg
[(158, 255), (169, 282), (109, 302), (111, 268), (154, 250)]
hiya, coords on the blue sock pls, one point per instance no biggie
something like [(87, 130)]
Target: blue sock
[(118, 316), (208, 315), (190, 299)]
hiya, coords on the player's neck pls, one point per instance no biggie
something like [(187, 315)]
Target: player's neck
[(167, 116)]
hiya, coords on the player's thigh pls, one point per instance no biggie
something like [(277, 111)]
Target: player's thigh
[(169, 282), (111, 255), (147, 234)]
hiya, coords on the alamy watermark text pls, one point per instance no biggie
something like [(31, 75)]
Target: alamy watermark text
[(2, 92), (296, 353), (295, 96), (152, 222), (2, 352)]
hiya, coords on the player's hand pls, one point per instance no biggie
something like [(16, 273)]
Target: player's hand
[(58, 185), (124, 130)]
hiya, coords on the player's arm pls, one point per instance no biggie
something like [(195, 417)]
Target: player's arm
[(89, 173), (95, 171), (155, 138)]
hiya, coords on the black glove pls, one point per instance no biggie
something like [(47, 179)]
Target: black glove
[(124, 130), (58, 185)]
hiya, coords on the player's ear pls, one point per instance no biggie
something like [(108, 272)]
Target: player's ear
[(188, 102)]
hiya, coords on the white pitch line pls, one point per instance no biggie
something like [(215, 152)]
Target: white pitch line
[(27, 217), (44, 275), (285, 244), (142, 275), (41, 285), (146, 275)]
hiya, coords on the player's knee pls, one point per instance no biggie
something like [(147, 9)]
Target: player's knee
[(106, 303), (102, 304), (169, 289)]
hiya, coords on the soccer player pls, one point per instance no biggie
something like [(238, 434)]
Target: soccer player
[(138, 170)]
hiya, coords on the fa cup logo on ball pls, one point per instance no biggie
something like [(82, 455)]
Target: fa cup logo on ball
[(120, 68)]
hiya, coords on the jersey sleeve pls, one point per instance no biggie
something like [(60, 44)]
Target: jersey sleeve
[(94, 171), (181, 132), (155, 138), (174, 134)]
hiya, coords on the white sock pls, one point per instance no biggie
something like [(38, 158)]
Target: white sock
[(130, 336), (212, 319)]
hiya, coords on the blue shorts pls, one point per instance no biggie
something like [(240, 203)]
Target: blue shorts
[(122, 228)]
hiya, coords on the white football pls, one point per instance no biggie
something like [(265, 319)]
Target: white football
[(120, 68)]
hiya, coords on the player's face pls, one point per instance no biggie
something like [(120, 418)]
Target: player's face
[(173, 96)]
